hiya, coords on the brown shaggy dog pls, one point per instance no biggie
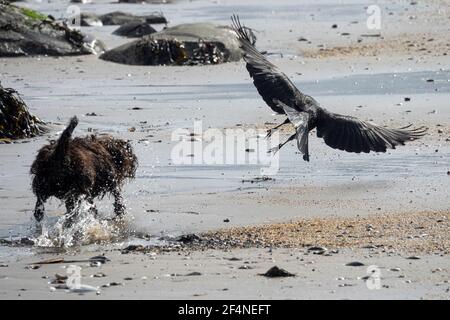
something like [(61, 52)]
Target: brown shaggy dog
[(91, 166)]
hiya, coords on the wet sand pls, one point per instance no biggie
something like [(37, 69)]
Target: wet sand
[(387, 191)]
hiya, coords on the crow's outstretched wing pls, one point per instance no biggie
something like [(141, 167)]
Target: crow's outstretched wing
[(354, 135), (270, 82)]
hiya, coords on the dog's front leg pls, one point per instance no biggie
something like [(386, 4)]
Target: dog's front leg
[(71, 203), (39, 209), (119, 207)]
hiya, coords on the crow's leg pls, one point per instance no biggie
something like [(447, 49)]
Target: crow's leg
[(281, 145), (271, 131)]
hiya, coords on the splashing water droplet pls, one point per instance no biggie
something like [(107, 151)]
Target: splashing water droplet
[(82, 227)]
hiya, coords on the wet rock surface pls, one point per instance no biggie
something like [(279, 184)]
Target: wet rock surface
[(16, 122), (26, 32), (135, 29), (119, 18), (90, 20), (185, 44)]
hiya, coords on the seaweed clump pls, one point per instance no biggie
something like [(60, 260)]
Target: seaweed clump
[(16, 122)]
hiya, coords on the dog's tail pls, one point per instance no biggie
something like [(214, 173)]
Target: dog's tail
[(63, 141)]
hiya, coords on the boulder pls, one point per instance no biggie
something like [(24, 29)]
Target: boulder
[(90, 20), (185, 44), (16, 122), (27, 32), (119, 18), (147, 1), (134, 29)]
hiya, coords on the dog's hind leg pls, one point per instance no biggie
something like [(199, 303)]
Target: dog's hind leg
[(119, 207), (39, 209)]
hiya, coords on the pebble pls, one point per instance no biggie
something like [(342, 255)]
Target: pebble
[(413, 258), (234, 259), (317, 249), (395, 269), (32, 267), (245, 267), (112, 284), (355, 264), (276, 272), (95, 264), (99, 275)]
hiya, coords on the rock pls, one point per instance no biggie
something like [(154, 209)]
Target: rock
[(16, 122), (355, 264), (245, 267), (135, 29), (276, 272), (100, 259), (195, 273), (146, 1), (188, 238), (185, 44), (119, 18), (32, 267), (99, 275), (234, 259), (81, 1), (26, 32), (317, 250), (112, 284), (88, 19), (413, 258), (133, 247)]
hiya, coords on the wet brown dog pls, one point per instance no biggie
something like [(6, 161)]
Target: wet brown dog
[(90, 167)]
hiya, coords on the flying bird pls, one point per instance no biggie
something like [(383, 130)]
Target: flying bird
[(304, 112)]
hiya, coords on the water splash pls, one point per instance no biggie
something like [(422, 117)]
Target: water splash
[(82, 227)]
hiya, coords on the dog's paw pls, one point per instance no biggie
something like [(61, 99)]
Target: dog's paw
[(39, 215)]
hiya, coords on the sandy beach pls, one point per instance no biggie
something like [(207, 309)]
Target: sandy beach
[(389, 211)]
